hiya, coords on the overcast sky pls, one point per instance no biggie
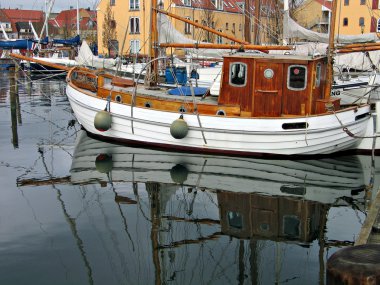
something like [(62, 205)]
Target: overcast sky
[(39, 4)]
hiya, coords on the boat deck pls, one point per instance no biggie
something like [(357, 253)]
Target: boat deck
[(162, 93)]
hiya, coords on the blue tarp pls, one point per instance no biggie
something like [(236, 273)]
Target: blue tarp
[(16, 44), (185, 90), (69, 42)]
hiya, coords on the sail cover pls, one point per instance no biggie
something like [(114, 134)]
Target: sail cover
[(87, 58), (168, 34)]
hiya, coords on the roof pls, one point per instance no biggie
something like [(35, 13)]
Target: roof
[(69, 18), (326, 3), (18, 15)]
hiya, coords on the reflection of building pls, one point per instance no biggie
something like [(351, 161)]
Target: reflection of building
[(247, 215)]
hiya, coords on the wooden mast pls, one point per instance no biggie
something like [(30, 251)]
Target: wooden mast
[(247, 23), (153, 51), (225, 46), (330, 49), (256, 39)]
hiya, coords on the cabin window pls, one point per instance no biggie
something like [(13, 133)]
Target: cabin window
[(134, 4), (235, 220), (291, 226), (318, 72), (238, 74), (345, 21), (297, 75), (134, 24)]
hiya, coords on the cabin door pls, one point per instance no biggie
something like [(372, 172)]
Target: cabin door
[(267, 96)]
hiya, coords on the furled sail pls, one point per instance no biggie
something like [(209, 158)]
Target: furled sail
[(87, 58), (168, 34)]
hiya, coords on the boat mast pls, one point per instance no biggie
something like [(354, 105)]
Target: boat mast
[(330, 49), (46, 17), (247, 22), (256, 39), (153, 51), (78, 17)]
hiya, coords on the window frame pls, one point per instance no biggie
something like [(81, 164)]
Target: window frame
[(288, 77), (134, 25), (134, 5), (230, 73)]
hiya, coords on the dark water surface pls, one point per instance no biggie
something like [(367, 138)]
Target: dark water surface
[(74, 210)]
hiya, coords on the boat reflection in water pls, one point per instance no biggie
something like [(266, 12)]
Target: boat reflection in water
[(220, 219)]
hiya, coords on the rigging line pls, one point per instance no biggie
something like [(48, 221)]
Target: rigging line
[(349, 133), (72, 224)]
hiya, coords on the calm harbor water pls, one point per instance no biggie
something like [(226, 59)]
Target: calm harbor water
[(75, 210)]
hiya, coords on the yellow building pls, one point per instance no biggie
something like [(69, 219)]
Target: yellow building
[(353, 16), (132, 20)]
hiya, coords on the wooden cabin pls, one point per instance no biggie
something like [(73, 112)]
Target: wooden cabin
[(253, 215), (266, 85)]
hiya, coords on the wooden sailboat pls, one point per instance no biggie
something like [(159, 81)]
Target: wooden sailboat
[(268, 105)]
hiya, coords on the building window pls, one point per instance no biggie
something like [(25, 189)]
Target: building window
[(378, 26), (345, 21), (362, 2), (187, 2), (346, 2), (226, 26), (134, 4), (135, 46), (297, 75), (112, 24), (361, 22), (112, 2), (233, 28), (375, 4), (187, 27), (238, 74), (218, 4), (134, 24), (240, 27), (219, 39)]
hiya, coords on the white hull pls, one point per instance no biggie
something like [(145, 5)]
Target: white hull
[(238, 135), (324, 180)]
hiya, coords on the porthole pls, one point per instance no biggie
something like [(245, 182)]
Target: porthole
[(118, 98), (182, 109), (220, 113), (147, 105), (268, 73)]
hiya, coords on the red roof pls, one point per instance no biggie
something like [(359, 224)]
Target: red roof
[(69, 18), (326, 3), (18, 15)]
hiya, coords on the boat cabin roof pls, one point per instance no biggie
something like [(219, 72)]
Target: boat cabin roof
[(274, 57)]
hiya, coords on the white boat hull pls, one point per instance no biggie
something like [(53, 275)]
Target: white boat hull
[(238, 135)]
